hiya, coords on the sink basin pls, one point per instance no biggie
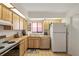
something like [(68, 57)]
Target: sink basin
[(1, 47)]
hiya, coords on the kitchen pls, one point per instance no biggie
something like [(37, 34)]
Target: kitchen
[(36, 32)]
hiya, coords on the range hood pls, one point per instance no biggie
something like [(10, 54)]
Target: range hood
[(2, 22)]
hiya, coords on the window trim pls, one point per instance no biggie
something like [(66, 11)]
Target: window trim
[(37, 27)]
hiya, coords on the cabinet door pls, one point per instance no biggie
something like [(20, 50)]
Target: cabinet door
[(21, 23), (30, 43), (45, 43), (0, 11), (25, 24), (7, 14), (4, 16), (22, 48), (46, 25), (25, 44), (36, 43), (15, 22)]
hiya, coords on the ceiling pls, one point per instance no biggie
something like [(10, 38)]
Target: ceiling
[(49, 10)]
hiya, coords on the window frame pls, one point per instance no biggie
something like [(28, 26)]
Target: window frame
[(37, 27)]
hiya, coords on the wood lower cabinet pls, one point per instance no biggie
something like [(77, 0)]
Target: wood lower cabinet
[(33, 42), (45, 44), (39, 42), (22, 48), (36, 43), (0, 11), (25, 44), (30, 43)]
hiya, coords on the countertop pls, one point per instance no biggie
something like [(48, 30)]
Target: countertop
[(17, 41)]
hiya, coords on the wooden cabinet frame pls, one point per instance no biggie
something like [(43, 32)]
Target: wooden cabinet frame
[(16, 22), (7, 15), (33, 42)]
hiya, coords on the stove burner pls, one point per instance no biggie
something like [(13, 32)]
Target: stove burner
[(11, 42), (5, 42), (1, 47)]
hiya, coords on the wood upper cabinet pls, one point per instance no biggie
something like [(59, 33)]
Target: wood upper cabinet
[(16, 23), (9, 15), (47, 23), (25, 24), (21, 23), (6, 14), (0, 11)]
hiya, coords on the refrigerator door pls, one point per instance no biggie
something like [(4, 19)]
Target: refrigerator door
[(60, 27), (58, 42)]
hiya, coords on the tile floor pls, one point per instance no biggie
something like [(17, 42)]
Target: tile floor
[(43, 53)]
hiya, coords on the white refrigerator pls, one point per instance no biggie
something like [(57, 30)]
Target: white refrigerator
[(58, 37)]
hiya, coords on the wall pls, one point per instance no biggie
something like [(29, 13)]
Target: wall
[(30, 32), (68, 33), (43, 14), (9, 32), (72, 22), (75, 35)]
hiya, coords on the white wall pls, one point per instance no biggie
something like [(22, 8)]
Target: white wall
[(72, 22), (75, 35), (46, 14), (68, 26), (9, 32)]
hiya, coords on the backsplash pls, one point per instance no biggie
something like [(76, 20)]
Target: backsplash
[(9, 32)]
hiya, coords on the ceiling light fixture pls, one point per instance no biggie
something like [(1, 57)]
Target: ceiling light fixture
[(8, 5), (53, 18), (36, 18), (16, 11)]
